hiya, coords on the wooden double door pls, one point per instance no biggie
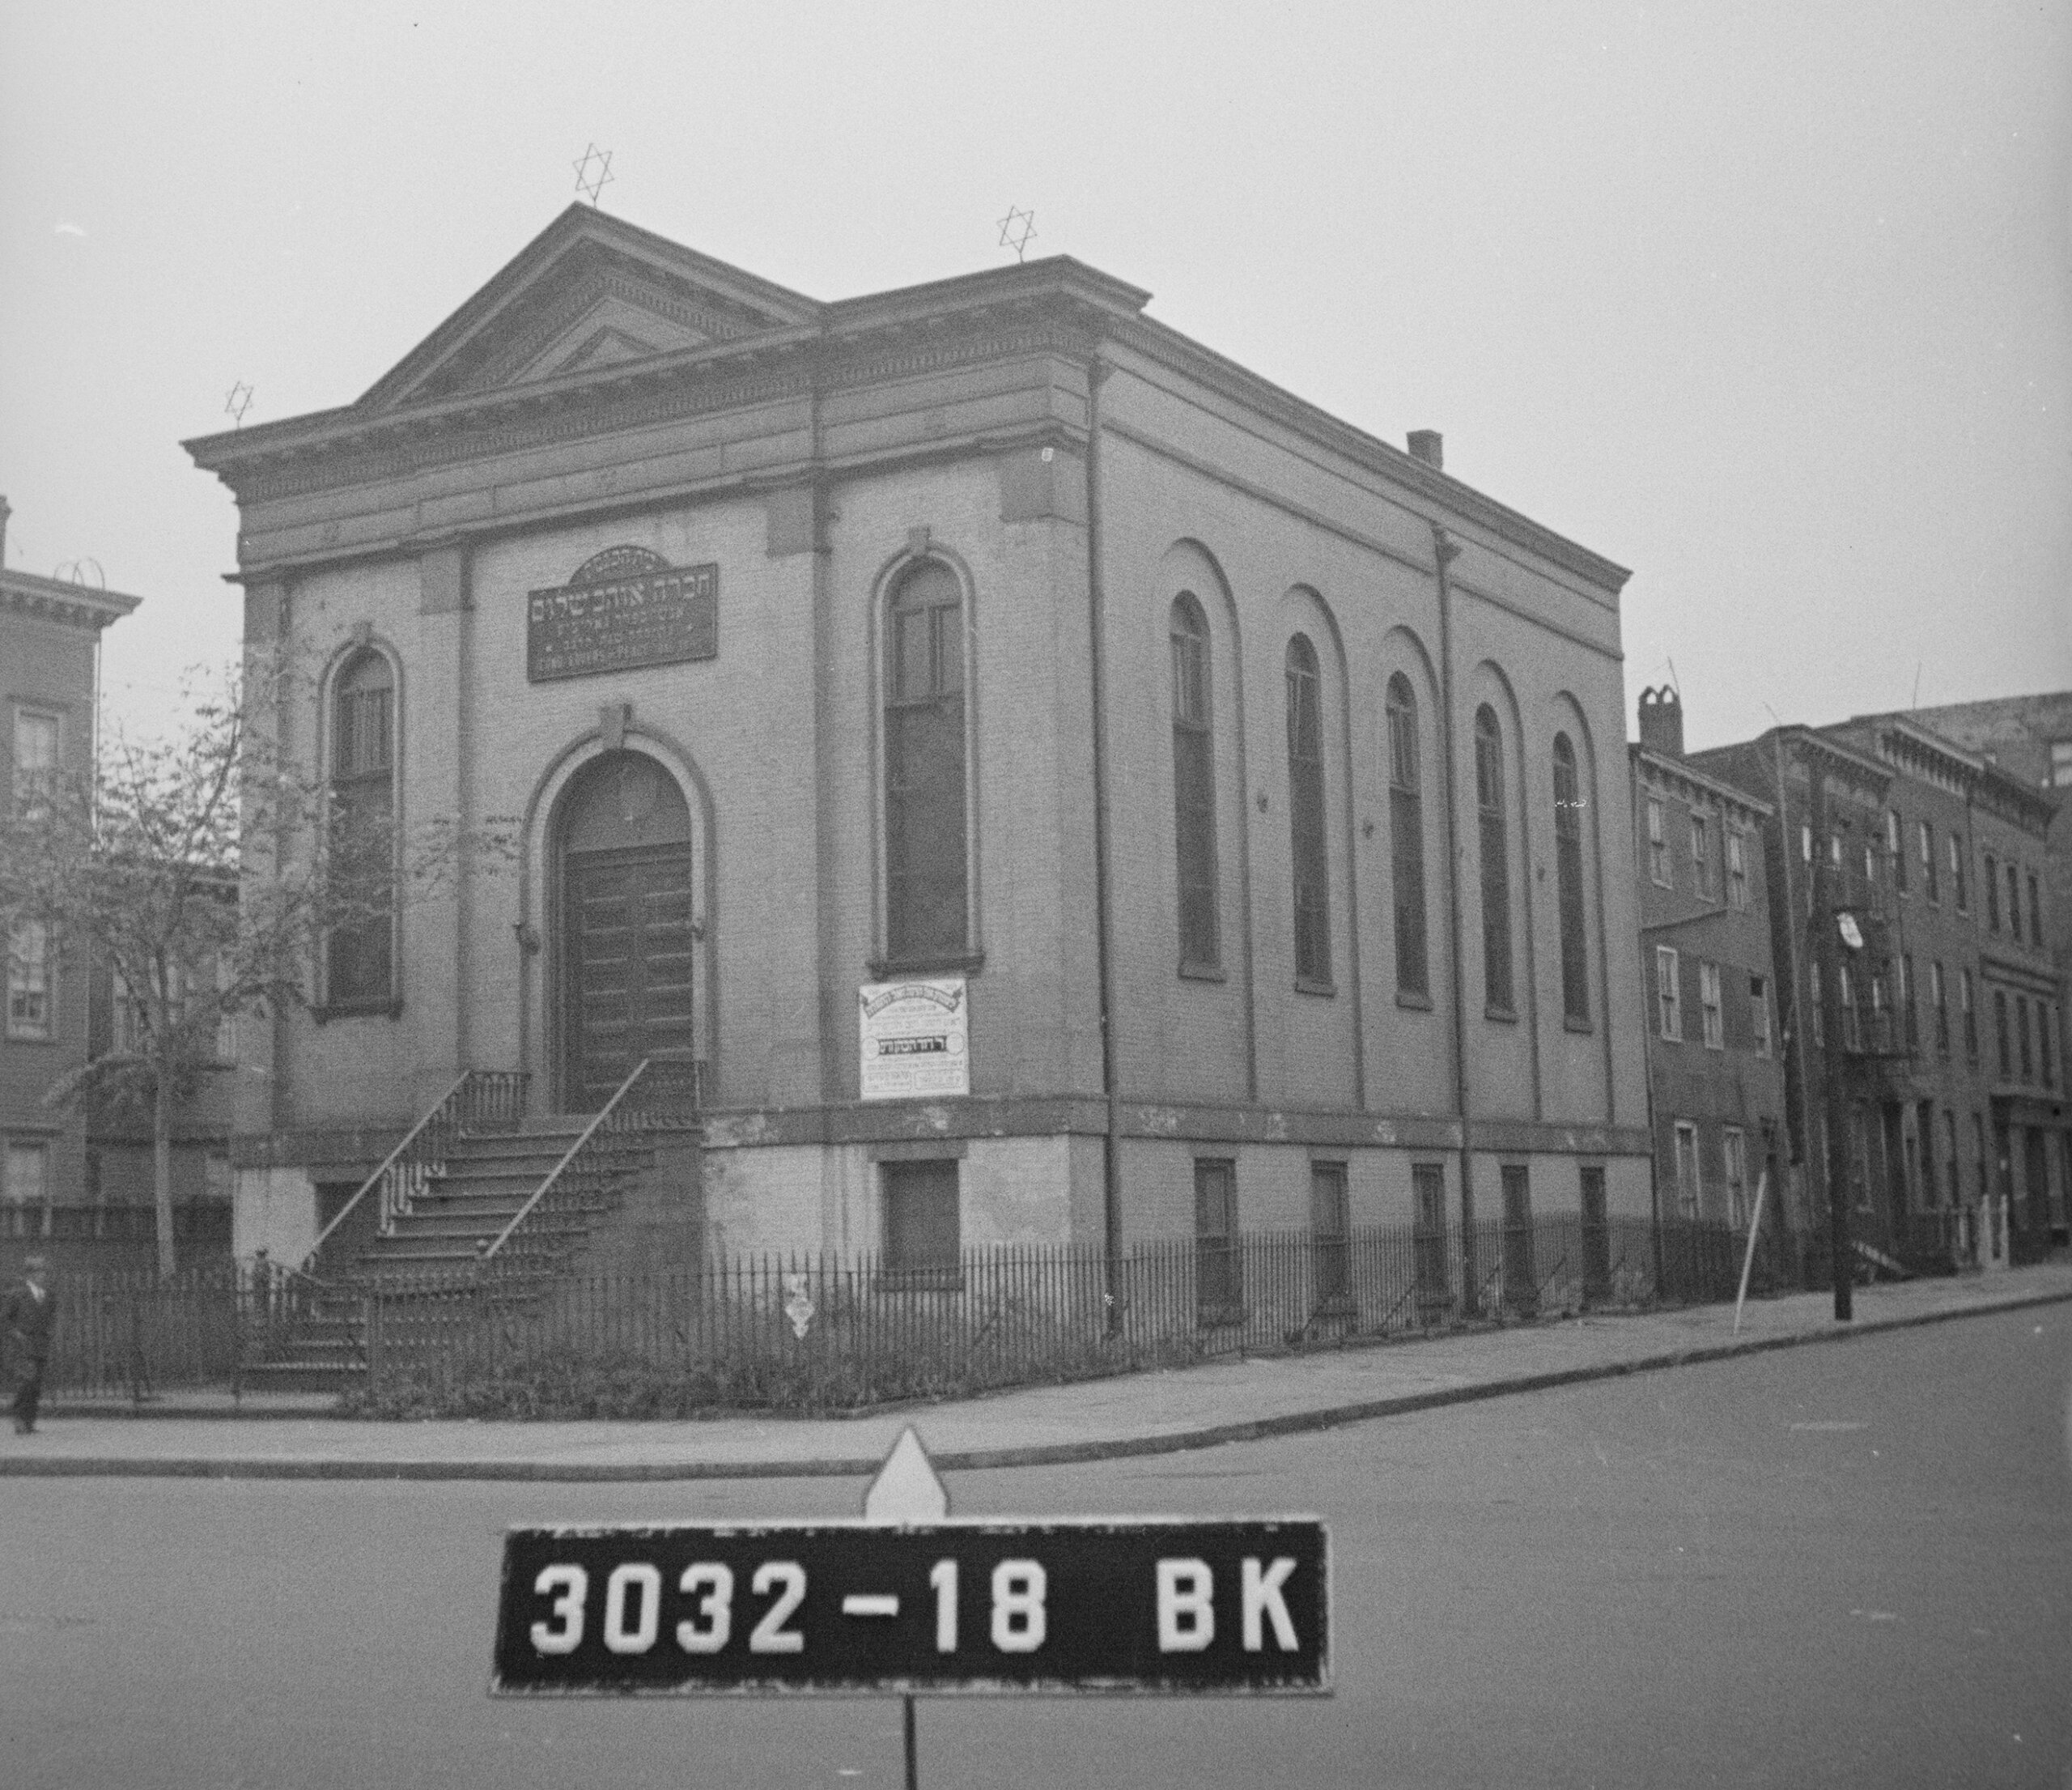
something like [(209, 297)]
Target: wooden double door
[(630, 953)]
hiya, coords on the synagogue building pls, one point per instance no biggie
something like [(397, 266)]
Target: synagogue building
[(1010, 774)]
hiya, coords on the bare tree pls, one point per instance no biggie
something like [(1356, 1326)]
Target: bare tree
[(207, 873)]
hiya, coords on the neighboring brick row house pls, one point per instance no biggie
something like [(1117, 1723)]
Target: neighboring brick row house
[(1715, 1054), (75, 1187), (1249, 788), (1951, 1014)]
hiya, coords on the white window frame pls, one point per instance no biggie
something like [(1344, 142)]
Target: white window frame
[(1701, 857), (12, 1191), (1759, 1013), (1737, 866), (1711, 1013), (1668, 993), (31, 975), (1660, 870), (1733, 1151), (23, 786), (1689, 1185)]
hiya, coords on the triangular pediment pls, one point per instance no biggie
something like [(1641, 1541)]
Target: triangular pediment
[(590, 292)]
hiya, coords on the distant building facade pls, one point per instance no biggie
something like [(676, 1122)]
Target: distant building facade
[(1246, 791), (1953, 1138), (50, 631), (1714, 1041)]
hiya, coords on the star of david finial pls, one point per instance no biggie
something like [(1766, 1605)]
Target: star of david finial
[(237, 402), (593, 173), (1017, 229)]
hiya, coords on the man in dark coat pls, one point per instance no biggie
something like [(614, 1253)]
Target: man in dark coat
[(26, 1323)]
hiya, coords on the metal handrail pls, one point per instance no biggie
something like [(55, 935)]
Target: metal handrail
[(568, 1156), (388, 1162)]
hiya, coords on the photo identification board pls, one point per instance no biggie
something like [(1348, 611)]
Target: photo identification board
[(1159, 1606), (915, 1039)]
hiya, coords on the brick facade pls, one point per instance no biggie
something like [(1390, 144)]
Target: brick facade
[(1074, 467)]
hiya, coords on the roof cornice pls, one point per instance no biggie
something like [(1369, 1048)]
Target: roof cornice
[(1681, 771), (1099, 304), (60, 600), (1463, 502)]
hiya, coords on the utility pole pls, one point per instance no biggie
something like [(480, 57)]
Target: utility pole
[(1827, 963)]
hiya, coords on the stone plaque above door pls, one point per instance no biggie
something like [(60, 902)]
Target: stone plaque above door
[(624, 607)]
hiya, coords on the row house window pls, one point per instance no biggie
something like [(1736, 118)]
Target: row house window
[(2022, 1035), (2046, 1034), (1736, 868), (1908, 1003), (31, 1008), (1952, 1184), (1939, 995), (1969, 1009), (2014, 902), (1992, 894), (2036, 912), (1701, 858), (1687, 1169), (1960, 887), (1669, 1000), (1759, 1013), (25, 1175), (35, 756), (1925, 837), (1711, 1011), (1894, 832), (2001, 1035), (1852, 1028), (1658, 869)]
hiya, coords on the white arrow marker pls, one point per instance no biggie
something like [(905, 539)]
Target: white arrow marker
[(906, 1489), (861, 1603)]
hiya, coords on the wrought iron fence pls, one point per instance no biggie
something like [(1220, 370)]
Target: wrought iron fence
[(822, 1330), (133, 1336)]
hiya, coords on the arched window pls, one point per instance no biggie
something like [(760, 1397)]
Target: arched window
[(1407, 839), (1496, 862), (1305, 814), (360, 956), (926, 875), (1568, 868), (1194, 786)]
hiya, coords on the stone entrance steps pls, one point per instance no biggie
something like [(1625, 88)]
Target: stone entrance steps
[(418, 1266)]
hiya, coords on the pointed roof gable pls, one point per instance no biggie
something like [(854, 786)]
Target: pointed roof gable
[(589, 290)]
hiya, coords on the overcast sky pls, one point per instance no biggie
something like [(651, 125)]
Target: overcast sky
[(1771, 302)]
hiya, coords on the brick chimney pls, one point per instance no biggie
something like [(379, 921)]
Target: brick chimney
[(1428, 446), (1662, 721)]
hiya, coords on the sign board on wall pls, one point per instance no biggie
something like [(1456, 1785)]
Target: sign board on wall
[(915, 1039), (624, 609)]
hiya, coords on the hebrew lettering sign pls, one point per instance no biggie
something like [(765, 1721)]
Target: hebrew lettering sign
[(624, 608), (914, 1040)]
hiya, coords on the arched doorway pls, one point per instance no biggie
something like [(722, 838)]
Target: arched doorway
[(628, 940)]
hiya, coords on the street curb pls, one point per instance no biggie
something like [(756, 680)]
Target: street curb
[(975, 1459)]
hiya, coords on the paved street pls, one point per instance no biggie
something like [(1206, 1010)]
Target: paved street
[(1777, 1570)]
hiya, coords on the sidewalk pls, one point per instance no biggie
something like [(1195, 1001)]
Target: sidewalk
[(1089, 1420)]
